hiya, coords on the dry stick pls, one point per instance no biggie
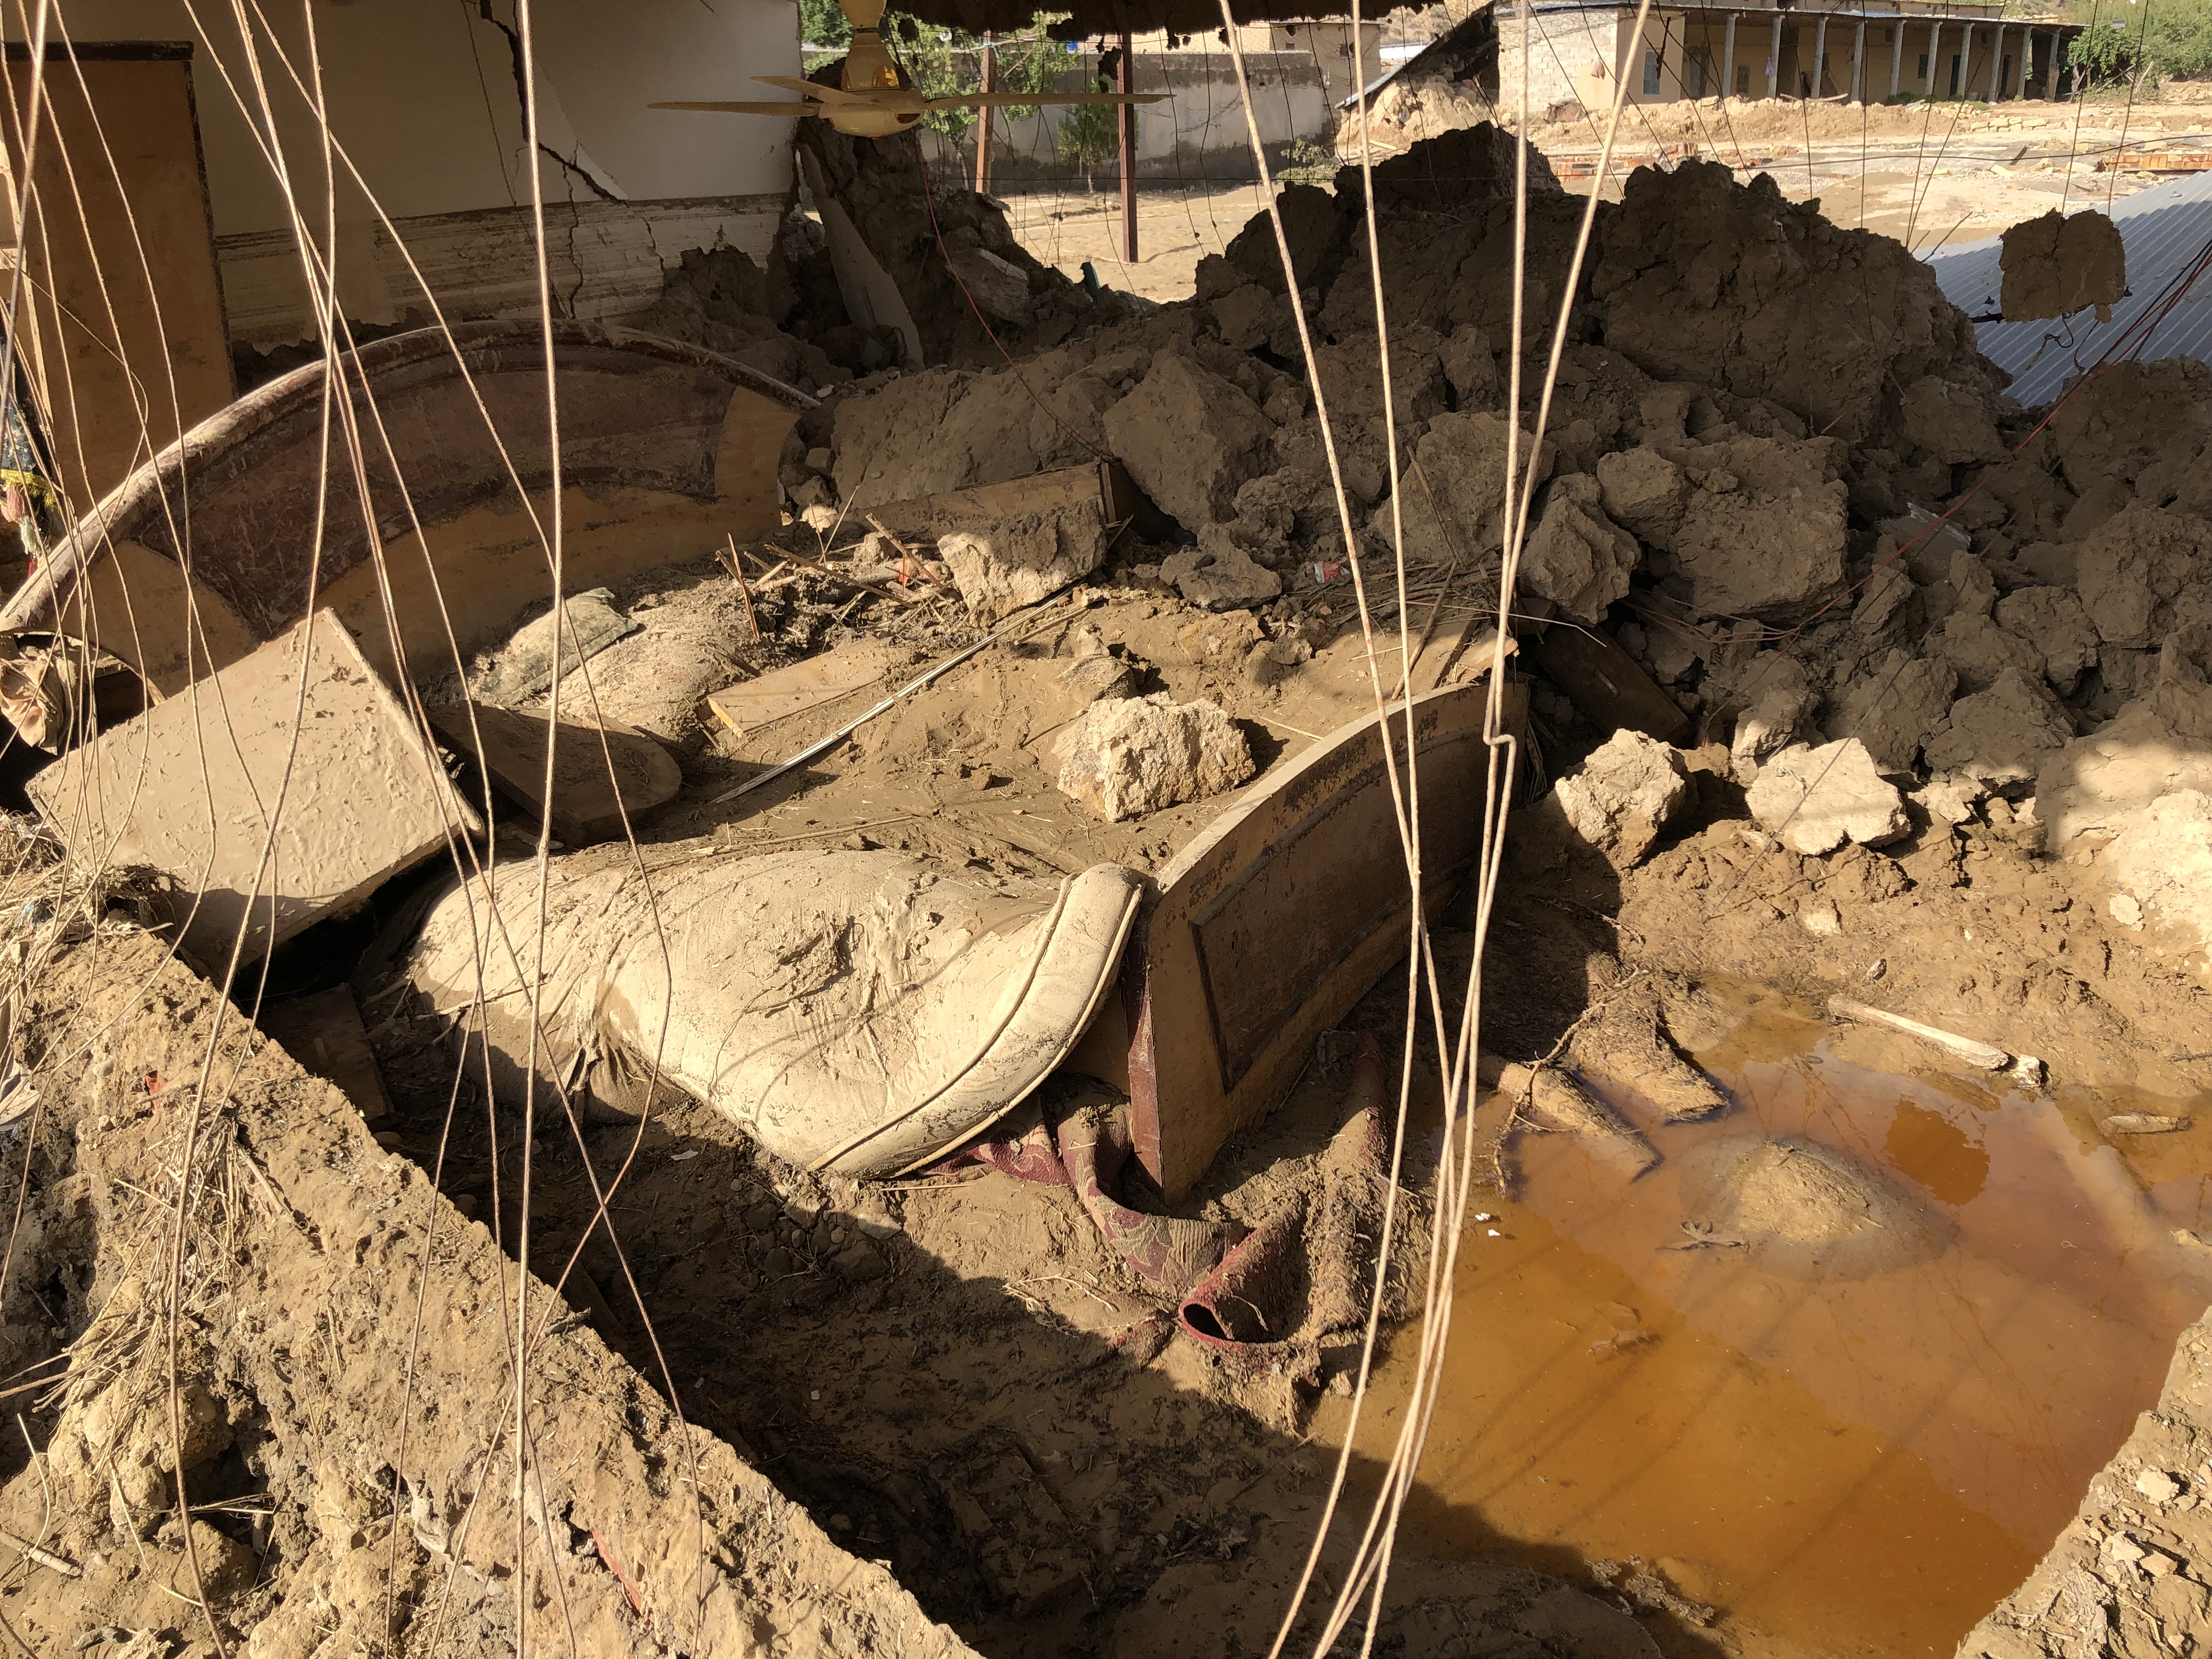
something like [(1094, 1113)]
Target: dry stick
[(326, 309), (525, 52), (735, 566), (499, 445), (1987, 1056), (838, 576), (1404, 803), (30, 209), (458, 845), (45, 1558), (2081, 108), (825, 744)]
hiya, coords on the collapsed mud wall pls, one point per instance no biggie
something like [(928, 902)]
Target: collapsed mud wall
[(344, 1332), (1758, 419)]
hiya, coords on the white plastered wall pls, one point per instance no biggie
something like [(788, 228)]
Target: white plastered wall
[(423, 96)]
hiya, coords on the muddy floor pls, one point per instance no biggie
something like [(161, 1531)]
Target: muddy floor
[(273, 1363)]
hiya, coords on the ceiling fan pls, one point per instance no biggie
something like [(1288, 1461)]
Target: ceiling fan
[(873, 100)]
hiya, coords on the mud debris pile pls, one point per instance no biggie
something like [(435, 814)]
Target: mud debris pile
[(1775, 469), (1830, 668)]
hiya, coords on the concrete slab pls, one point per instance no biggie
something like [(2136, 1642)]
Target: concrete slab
[(589, 802), (257, 837)]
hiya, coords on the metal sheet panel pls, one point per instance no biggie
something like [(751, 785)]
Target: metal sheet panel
[(2163, 228)]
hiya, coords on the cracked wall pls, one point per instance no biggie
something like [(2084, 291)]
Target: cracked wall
[(424, 96)]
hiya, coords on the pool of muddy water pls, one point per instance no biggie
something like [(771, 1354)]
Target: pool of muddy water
[(1844, 1459)]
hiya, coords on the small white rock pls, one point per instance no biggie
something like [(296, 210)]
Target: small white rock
[(2158, 1485), (1137, 755), (2125, 910), (1814, 801), (1820, 919)]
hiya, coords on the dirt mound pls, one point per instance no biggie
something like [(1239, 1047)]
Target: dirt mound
[(1805, 1211), (344, 1337), (1734, 288)]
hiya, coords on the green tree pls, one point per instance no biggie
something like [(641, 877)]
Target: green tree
[(2147, 40), (1090, 134), (1029, 62), (822, 23)]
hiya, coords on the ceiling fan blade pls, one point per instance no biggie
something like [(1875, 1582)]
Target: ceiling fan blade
[(747, 109), (813, 89), (1024, 100)]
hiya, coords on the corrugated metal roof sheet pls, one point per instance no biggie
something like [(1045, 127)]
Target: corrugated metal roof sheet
[(2163, 228)]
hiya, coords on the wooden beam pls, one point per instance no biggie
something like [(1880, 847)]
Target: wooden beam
[(983, 120), (1126, 79)]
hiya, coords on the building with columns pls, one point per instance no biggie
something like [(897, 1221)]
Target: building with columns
[(1903, 49)]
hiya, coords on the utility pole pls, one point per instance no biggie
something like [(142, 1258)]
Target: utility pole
[(983, 120), (1125, 76)]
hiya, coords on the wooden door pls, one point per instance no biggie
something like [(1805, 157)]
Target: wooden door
[(119, 317)]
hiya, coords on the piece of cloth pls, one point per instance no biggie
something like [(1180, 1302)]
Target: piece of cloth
[(1256, 1301)]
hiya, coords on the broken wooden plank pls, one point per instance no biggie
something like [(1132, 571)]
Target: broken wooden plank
[(323, 1032), (198, 786), (1609, 686), (601, 773), (1278, 918), (814, 683)]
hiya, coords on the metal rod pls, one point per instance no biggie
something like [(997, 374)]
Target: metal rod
[(1125, 75), (983, 120)]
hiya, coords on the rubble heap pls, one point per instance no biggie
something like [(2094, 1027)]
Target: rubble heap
[(1758, 421)]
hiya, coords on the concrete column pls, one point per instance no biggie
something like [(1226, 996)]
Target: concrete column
[(1858, 63), (1996, 67), (1728, 58), (1965, 64), (1896, 56), (1934, 54), (1820, 53), (2026, 61), (1774, 57)]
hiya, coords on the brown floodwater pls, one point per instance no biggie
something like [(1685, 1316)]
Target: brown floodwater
[(1842, 1466)]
